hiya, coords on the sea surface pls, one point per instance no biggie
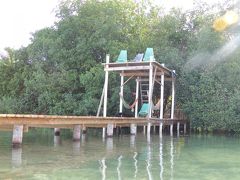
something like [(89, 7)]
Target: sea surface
[(45, 157)]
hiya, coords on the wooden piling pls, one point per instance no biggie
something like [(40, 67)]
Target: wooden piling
[(76, 132), (57, 131), (133, 129), (109, 130), (84, 130), (17, 135)]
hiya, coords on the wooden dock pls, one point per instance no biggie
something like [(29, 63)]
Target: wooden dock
[(19, 123)]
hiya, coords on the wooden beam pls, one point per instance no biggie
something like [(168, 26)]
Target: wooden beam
[(127, 68), (139, 74)]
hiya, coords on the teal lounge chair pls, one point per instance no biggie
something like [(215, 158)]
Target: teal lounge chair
[(122, 58), (144, 110), (148, 54)]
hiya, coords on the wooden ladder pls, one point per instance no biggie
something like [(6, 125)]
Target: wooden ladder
[(144, 91)]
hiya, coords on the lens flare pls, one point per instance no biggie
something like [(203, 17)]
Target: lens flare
[(228, 19)]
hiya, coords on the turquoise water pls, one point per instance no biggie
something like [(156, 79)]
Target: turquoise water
[(124, 157)]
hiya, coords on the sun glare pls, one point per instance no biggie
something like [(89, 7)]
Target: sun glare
[(228, 19)]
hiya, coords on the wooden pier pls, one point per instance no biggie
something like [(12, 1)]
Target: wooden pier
[(19, 123), (152, 81)]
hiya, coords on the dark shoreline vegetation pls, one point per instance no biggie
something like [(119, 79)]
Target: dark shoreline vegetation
[(60, 71)]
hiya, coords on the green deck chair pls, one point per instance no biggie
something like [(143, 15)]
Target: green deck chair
[(144, 110), (122, 58), (148, 54)]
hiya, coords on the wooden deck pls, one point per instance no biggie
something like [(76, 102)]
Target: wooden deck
[(68, 122)]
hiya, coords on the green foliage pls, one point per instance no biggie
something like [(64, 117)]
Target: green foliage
[(60, 71)]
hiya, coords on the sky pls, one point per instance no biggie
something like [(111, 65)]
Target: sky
[(20, 18)]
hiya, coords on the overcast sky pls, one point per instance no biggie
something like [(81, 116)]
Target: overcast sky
[(19, 18)]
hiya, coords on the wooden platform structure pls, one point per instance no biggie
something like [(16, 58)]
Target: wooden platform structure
[(146, 72)]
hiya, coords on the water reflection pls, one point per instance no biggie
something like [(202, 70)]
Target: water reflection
[(16, 157), (132, 141), (172, 156), (128, 157), (57, 141), (76, 147), (161, 158), (135, 164), (103, 168), (118, 167), (109, 144), (148, 167)]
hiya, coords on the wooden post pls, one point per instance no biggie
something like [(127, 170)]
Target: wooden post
[(84, 130), (110, 130), (173, 96), (133, 127), (150, 88), (17, 135), (161, 104), (76, 132), (162, 95), (56, 131), (137, 96), (150, 95), (105, 93), (121, 92), (178, 128)]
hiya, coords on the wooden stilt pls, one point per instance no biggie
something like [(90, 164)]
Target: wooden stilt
[(110, 130), (133, 129), (173, 96), (178, 128), (17, 135), (84, 130), (150, 89), (121, 92), (56, 131), (162, 96), (105, 93), (76, 132), (150, 97)]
